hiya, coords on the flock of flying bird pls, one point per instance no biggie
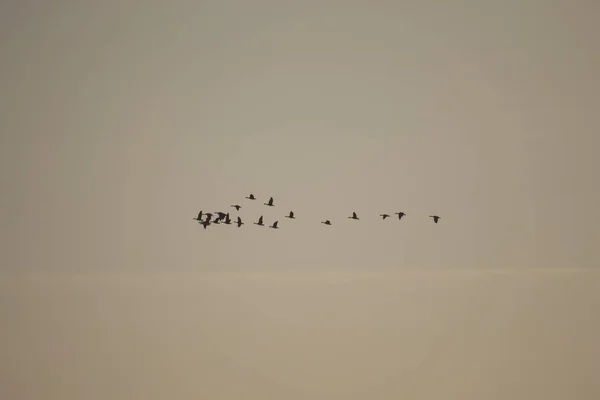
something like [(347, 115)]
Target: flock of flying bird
[(224, 218)]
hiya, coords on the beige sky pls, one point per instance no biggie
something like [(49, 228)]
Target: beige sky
[(119, 120)]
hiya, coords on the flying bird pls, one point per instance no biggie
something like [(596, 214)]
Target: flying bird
[(239, 222), (291, 216), (260, 221), (221, 215), (326, 222), (251, 197), (199, 217), (435, 218), (205, 223), (400, 215), (208, 216), (354, 216), (227, 219), (274, 226), (384, 216), (270, 203), (236, 207)]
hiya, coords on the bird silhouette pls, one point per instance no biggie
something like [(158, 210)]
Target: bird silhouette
[(384, 216), (205, 223), (435, 218), (237, 208), (221, 215), (227, 219), (199, 217), (400, 215), (291, 216), (270, 203), (251, 197), (239, 222), (260, 221), (326, 222), (274, 226), (208, 216), (354, 216)]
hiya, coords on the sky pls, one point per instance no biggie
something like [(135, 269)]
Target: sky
[(120, 120)]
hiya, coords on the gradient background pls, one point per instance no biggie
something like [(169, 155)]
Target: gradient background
[(119, 120)]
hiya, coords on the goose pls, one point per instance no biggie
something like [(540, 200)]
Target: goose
[(384, 216), (354, 216), (260, 221), (400, 215), (227, 219), (291, 216), (326, 222), (237, 208), (208, 216), (251, 197), (199, 217), (221, 215), (270, 203), (239, 222), (274, 226), (435, 218), (205, 223)]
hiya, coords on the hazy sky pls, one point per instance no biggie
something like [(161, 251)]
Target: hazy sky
[(120, 120)]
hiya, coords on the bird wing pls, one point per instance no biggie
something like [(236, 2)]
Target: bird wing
[(260, 220), (291, 213), (275, 224), (353, 215)]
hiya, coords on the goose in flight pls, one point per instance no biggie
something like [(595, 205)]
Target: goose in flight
[(221, 215), (435, 218), (205, 223), (260, 221), (237, 208), (400, 215), (384, 216), (270, 203), (208, 216), (326, 222), (239, 222), (274, 226), (291, 216), (251, 197), (199, 217), (227, 219), (354, 216)]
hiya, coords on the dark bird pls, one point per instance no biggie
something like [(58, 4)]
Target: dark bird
[(239, 222), (260, 221), (291, 216), (400, 215), (236, 207), (274, 226), (221, 215), (435, 218), (208, 216), (354, 216), (205, 223), (227, 219), (326, 222), (199, 217), (384, 216), (270, 203), (251, 197)]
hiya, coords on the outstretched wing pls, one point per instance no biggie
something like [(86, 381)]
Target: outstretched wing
[(354, 215), (260, 220), (275, 224)]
